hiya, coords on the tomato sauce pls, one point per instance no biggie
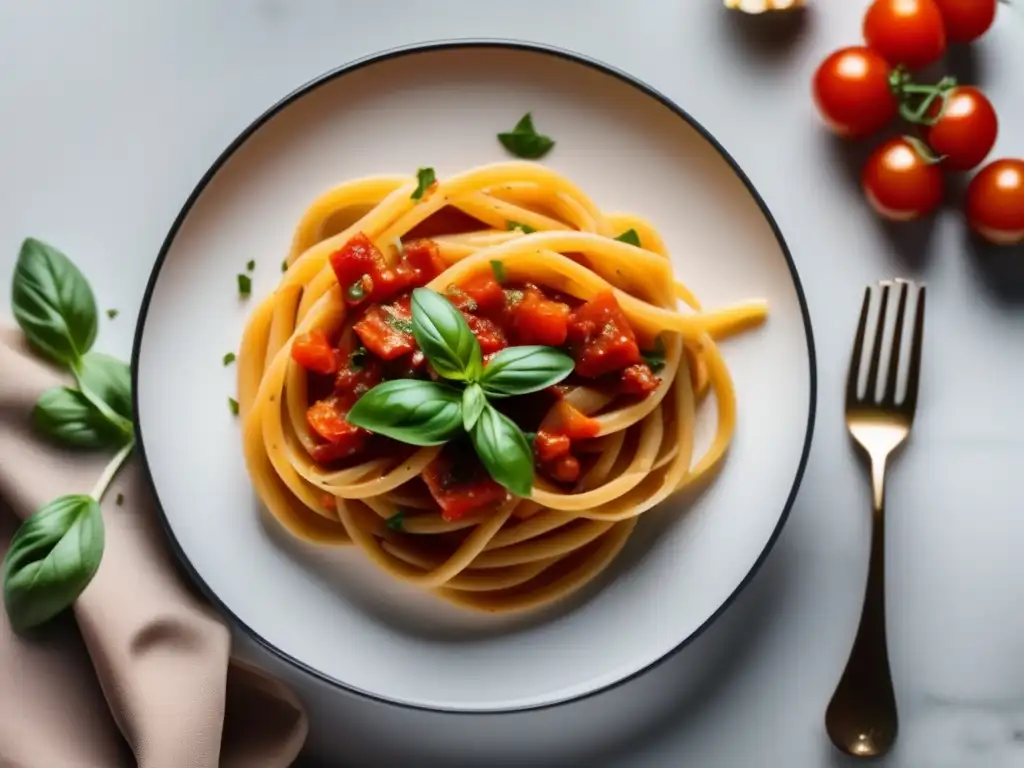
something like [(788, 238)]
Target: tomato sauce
[(379, 345)]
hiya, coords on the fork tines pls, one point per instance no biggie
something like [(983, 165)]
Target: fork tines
[(904, 290)]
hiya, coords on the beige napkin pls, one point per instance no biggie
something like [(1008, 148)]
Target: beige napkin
[(140, 638)]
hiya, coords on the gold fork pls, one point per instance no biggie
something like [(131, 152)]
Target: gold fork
[(861, 717)]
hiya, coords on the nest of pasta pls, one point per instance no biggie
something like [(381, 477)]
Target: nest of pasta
[(339, 361)]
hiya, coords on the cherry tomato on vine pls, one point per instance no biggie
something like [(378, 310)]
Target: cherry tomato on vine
[(852, 93), (995, 202), (967, 20), (966, 130), (908, 32), (900, 182)]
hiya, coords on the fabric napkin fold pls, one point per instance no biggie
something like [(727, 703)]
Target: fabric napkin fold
[(139, 638)]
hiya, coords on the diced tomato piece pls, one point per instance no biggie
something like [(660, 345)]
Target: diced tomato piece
[(484, 290), (387, 330), (549, 446), (565, 469), (602, 338), (313, 351), (639, 380), (327, 419), (566, 419), (420, 264), (538, 320), (329, 502), (355, 380), (362, 271), (460, 484), (491, 337)]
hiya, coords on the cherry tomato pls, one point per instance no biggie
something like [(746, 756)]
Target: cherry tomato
[(967, 20), (995, 202), (966, 131), (908, 32), (900, 183), (852, 93)]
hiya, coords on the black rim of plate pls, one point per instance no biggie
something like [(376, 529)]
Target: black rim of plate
[(516, 45)]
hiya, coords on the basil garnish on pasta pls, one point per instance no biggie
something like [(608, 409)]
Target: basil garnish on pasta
[(629, 236), (426, 179), (427, 413)]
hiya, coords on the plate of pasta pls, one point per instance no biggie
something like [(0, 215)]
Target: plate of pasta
[(474, 376)]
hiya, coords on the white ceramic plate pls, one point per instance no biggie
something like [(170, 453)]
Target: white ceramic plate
[(330, 611)]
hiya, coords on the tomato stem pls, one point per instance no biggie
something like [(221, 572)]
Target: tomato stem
[(917, 99)]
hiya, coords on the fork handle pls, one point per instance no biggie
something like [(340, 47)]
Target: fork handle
[(861, 717)]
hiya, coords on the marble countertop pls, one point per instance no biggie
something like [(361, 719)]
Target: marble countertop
[(113, 110)]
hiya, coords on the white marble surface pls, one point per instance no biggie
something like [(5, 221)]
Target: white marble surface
[(113, 109)]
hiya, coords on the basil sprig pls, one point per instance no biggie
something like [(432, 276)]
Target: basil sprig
[(432, 413), (55, 552)]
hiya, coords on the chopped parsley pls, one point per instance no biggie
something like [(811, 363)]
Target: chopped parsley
[(629, 236), (395, 522), (513, 297), (119, 500), (524, 141), (400, 324), (526, 229), (284, 265), (499, 270), (244, 285), (426, 178), (356, 291), (233, 405), (250, 265), (112, 313), (655, 358), (468, 302), (229, 358)]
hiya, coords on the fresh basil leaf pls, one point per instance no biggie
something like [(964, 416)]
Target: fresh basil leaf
[(522, 370), (655, 358), (504, 451), (473, 402), (52, 557), (394, 523), (524, 141), (444, 336), (426, 178), (109, 379), (629, 236), (410, 411), (526, 229), (53, 303), (67, 416), (499, 270)]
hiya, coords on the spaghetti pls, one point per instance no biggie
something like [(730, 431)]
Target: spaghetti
[(612, 441)]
